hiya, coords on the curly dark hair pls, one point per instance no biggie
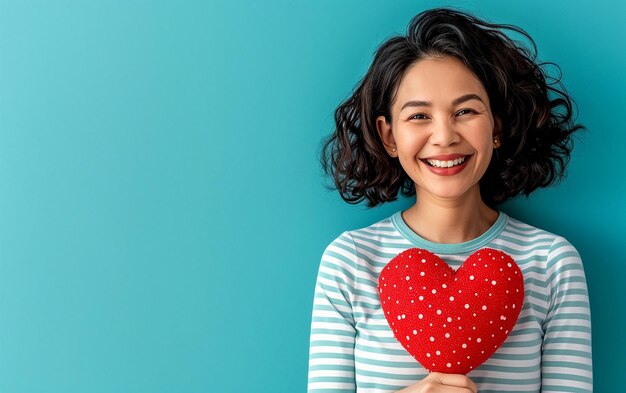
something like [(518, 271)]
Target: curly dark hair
[(536, 129)]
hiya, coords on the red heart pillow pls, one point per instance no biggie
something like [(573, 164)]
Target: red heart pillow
[(451, 321)]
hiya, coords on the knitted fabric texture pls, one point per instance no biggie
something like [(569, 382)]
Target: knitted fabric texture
[(451, 321)]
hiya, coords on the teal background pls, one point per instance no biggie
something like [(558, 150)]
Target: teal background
[(162, 209)]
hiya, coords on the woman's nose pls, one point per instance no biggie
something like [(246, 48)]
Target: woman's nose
[(443, 133)]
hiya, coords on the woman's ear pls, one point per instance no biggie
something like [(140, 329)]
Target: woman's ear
[(497, 127), (497, 132), (386, 135)]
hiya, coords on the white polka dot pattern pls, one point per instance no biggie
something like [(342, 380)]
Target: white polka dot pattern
[(451, 321)]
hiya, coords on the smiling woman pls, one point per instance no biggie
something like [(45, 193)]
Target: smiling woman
[(459, 115), (430, 135)]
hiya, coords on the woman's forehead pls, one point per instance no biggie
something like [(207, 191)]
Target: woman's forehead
[(438, 80)]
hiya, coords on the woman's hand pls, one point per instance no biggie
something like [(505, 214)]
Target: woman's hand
[(442, 383)]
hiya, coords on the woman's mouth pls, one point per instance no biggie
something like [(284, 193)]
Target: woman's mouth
[(448, 167), (445, 163)]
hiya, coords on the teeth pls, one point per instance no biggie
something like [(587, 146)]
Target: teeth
[(446, 164)]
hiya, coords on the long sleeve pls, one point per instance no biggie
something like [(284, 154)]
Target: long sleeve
[(331, 351), (566, 355)]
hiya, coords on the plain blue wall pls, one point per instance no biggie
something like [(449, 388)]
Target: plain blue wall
[(162, 210)]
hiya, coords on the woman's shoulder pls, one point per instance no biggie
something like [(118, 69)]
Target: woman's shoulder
[(376, 236), (518, 225), (522, 234)]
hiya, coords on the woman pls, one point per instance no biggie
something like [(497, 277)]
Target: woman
[(459, 115)]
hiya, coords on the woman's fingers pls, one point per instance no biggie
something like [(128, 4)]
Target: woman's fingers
[(443, 383), (454, 380)]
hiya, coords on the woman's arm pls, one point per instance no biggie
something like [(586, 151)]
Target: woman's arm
[(331, 351), (566, 355)]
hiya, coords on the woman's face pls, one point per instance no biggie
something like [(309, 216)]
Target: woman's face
[(442, 127)]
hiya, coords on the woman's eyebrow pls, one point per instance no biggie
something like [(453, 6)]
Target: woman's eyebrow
[(456, 101)]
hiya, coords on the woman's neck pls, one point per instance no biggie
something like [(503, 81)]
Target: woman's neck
[(450, 221)]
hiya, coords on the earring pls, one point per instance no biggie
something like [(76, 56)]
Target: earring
[(393, 149), (496, 142)]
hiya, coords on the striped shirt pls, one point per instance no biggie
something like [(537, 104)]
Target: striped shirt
[(352, 348)]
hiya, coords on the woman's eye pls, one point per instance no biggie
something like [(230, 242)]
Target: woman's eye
[(422, 116), (464, 111)]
